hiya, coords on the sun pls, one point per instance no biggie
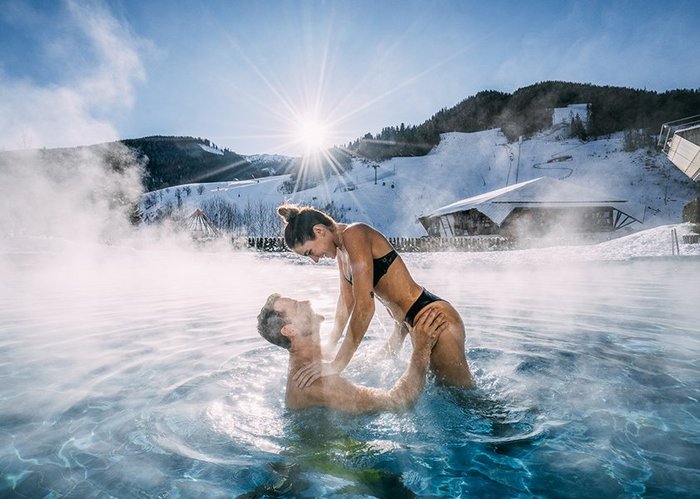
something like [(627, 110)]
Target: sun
[(313, 135)]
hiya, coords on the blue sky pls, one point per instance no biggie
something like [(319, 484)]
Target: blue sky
[(248, 74)]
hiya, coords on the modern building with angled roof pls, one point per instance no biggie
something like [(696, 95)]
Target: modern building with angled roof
[(533, 208), (680, 140)]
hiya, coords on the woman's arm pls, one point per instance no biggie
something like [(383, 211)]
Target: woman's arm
[(342, 310), (358, 247)]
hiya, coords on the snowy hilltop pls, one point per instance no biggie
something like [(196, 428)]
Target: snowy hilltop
[(392, 194)]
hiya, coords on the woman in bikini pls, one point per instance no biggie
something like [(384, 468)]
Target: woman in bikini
[(369, 266)]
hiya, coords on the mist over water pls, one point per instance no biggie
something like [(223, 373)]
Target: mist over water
[(130, 365), (148, 377), (76, 194)]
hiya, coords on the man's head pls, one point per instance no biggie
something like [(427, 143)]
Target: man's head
[(282, 318)]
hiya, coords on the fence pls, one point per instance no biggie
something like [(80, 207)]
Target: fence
[(691, 238), (402, 244), (273, 244), (420, 244)]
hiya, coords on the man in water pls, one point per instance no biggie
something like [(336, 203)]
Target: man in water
[(294, 325)]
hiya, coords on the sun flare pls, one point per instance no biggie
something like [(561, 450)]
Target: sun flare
[(313, 135)]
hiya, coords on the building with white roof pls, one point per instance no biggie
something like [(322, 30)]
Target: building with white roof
[(533, 208)]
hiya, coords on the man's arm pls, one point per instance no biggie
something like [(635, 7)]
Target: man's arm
[(336, 392)]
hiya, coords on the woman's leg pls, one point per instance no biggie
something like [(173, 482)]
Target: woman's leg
[(448, 359)]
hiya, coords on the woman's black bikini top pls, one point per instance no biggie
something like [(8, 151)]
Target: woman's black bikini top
[(381, 266)]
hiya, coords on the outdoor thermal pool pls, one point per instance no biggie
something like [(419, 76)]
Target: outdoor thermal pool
[(133, 373)]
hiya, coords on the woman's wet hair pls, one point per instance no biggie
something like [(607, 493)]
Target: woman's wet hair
[(300, 221), (271, 322)]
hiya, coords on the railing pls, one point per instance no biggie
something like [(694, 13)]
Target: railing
[(402, 244), (691, 238), (425, 244), (272, 244), (668, 129)]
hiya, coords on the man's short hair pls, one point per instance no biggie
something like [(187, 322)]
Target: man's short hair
[(271, 322)]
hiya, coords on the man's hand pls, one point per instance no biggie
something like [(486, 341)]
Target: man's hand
[(306, 375), (427, 329)]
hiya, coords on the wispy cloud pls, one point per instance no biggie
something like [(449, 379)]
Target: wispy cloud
[(105, 67)]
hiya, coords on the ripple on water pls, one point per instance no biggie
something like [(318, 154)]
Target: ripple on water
[(587, 381)]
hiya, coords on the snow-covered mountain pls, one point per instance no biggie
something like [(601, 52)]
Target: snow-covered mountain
[(391, 195)]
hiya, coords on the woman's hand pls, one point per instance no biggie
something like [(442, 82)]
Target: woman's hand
[(306, 375)]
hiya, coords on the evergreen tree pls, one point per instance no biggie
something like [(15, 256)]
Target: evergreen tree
[(577, 128), (529, 110)]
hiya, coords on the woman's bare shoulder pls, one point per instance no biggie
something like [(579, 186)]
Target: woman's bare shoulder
[(366, 235), (357, 231), (362, 229), (358, 226)]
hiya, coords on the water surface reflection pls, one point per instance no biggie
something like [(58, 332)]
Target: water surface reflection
[(134, 373)]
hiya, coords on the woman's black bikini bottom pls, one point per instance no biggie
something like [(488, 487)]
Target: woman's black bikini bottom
[(425, 298)]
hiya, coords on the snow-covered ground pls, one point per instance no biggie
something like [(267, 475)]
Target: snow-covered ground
[(211, 150), (467, 164), (564, 115), (651, 243)]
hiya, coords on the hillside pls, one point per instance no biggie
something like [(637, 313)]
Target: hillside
[(462, 165), (173, 161), (178, 160), (528, 111), (170, 161)]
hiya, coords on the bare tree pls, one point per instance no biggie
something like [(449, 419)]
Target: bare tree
[(258, 219)]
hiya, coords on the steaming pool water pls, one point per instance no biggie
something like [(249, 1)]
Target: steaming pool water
[(129, 373)]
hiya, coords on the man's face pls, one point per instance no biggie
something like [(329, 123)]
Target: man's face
[(299, 313)]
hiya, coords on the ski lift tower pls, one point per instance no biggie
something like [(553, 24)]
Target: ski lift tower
[(680, 140)]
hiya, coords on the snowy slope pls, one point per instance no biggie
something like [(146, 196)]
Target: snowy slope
[(211, 150), (564, 115), (466, 164), (650, 243)]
